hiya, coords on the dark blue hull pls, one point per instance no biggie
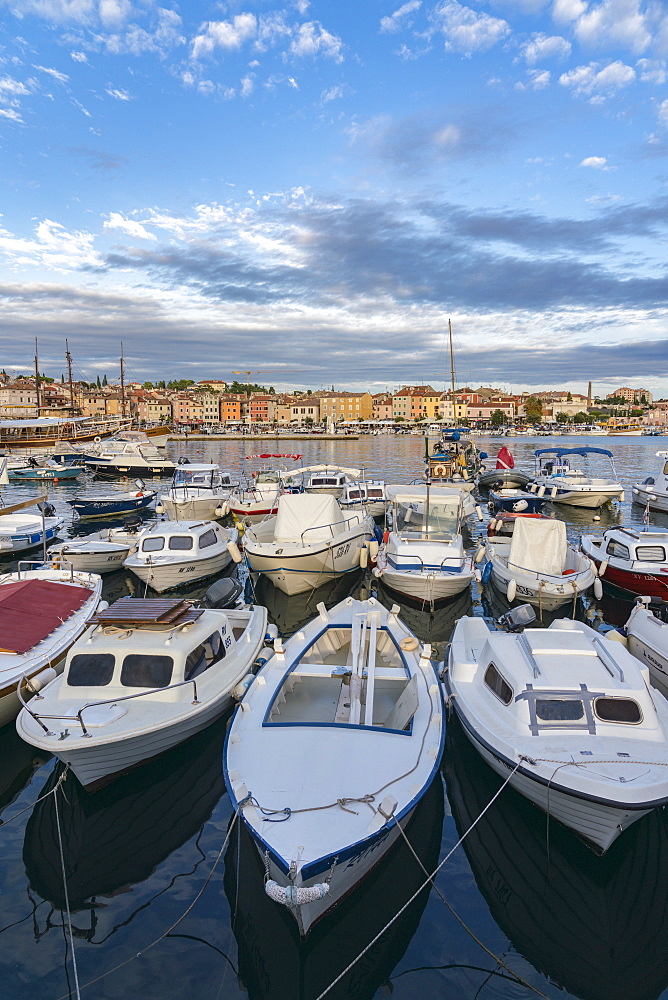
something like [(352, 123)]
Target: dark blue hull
[(521, 501), (103, 507)]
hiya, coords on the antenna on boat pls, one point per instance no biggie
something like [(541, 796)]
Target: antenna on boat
[(39, 401), (68, 358), (122, 383)]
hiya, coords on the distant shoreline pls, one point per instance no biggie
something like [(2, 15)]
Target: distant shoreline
[(263, 437)]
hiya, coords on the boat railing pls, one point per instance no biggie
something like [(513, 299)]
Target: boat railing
[(95, 704), (424, 567), (355, 519), (553, 576), (41, 564)]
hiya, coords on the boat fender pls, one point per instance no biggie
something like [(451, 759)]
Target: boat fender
[(486, 573), (533, 487), (511, 591), (159, 508), (614, 636), (103, 605), (376, 571), (97, 439), (260, 662), (541, 491), (364, 556), (520, 505), (233, 549), (240, 690), (373, 549), (408, 515), (602, 568), (386, 537), (292, 896), (222, 509), (598, 589), (480, 552), (41, 679), (553, 492), (478, 511)]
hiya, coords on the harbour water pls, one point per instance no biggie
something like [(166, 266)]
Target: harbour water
[(140, 852)]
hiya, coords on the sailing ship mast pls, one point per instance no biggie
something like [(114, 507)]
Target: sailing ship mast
[(122, 383), (452, 361), (68, 358), (39, 401)]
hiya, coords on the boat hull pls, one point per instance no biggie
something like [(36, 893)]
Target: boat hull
[(111, 508), (119, 469), (168, 576), (21, 541), (653, 585), (312, 566), (656, 501), (550, 596), (201, 509), (105, 561), (588, 499), (427, 588)]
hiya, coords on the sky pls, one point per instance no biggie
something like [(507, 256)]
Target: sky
[(310, 191)]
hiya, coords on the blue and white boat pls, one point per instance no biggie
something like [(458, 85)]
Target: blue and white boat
[(113, 504), (558, 482), (50, 471), (22, 531), (336, 741), (515, 501)]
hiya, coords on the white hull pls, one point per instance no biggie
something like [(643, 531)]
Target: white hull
[(92, 562), (200, 509), (551, 595), (315, 565), (589, 499), (162, 576), (256, 511), (426, 587), (657, 501), (375, 508), (12, 541)]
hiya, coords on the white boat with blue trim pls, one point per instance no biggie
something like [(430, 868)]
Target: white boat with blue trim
[(558, 482), (568, 717), (309, 541), (336, 741), (653, 491)]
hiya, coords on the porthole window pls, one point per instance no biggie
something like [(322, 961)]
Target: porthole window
[(618, 710), (496, 683)]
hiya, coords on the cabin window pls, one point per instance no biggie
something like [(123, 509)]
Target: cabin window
[(353, 494), (180, 542), (651, 553), (616, 548), (208, 538), (376, 494), (95, 669), (146, 670), (153, 544), (496, 683), (559, 710), (204, 656), (618, 710)]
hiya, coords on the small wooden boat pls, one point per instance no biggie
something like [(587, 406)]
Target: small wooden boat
[(49, 471), (633, 560), (340, 736), (113, 504), (147, 675), (173, 553), (42, 612), (653, 491), (568, 717)]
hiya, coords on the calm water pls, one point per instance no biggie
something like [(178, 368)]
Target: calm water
[(138, 852)]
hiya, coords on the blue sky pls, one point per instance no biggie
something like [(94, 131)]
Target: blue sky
[(309, 190)]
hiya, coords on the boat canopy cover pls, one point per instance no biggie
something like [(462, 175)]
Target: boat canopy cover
[(538, 545), (30, 610), (573, 451), (298, 512), (418, 494)]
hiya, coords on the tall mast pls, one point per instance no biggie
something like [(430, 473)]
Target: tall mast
[(122, 383), (39, 401), (68, 358), (452, 360)]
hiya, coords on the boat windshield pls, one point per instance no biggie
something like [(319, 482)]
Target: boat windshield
[(441, 522), (182, 477)]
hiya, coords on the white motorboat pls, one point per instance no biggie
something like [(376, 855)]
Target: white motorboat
[(559, 483), (130, 453), (100, 552), (327, 479), (647, 639), (408, 501), (144, 677), (423, 557), (653, 491), (633, 560), (22, 531), (253, 503), (308, 542), (365, 494), (198, 491), (339, 736), (42, 612), (568, 718), (538, 566), (174, 553)]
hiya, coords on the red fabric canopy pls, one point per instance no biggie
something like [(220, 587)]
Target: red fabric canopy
[(504, 460), (294, 457), (30, 610)]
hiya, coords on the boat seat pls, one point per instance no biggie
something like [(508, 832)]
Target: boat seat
[(405, 707)]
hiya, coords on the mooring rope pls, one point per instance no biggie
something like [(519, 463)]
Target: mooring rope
[(67, 897), (52, 791)]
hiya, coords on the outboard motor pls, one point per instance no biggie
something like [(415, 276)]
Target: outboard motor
[(33, 463), (47, 509), (183, 460), (132, 523), (222, 594), (517, 618)]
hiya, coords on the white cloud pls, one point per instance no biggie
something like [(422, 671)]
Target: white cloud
[(114, 13), (596, 162), (9, 87), (543, 47), (447, 137), (311, 39), (614, 22), (590, 81), (81, 108), (56, 74), (466, 30), (652, 71), (539, 79), (247, 86), (119, 95), (663, 112), (400, 19), (12, 115), (79, 57), (566, 11), (57, 11), (224, 34), (129, 226), (53, 247), (333, 94)]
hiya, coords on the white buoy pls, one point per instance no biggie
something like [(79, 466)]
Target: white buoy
[(541, 491), (480, 553), (597, 517), (240, 690), (364, 556), (519, 506), (103, 605), (614, 636), (602, 568), (159, 508), (233, 549), (373, 549), (598, 589), (408, 515), (478, 511), (376, 571), (511, 591), (222, 509), (41, 679)]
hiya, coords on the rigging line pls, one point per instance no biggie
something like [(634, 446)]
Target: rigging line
[(4, 822), (446, 968), (67, 901), (142, 951), (201, 940), (419, 890)]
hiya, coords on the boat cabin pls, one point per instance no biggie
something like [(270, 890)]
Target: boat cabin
[(199, 476), (181, 536), (633, 546)]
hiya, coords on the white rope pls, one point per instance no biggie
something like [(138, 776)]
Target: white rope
[(418, 891), (67, 898)]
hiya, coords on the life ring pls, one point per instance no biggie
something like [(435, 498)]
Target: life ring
[(97, 439)]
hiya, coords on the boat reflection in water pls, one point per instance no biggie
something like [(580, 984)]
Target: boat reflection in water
[(290, 613), (275, 964), (19, 763), (429, 626), (118, 836), (595, 925)]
